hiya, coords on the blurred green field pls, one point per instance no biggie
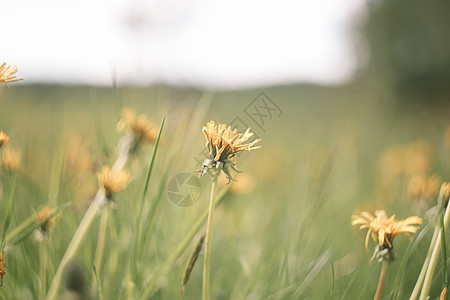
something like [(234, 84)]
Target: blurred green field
[(325, 157)]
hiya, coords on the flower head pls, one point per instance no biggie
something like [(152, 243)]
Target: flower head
[(223, 143), (112, 181), (384, 229), (45, 217), (10, 159), (7, 74), (142, 128), (4, 138)]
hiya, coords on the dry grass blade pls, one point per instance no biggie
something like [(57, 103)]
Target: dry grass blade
[(191, 263)]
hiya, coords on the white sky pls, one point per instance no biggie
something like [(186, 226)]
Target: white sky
[(207, 43)]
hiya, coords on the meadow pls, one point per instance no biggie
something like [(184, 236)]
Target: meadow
[(282, 231)]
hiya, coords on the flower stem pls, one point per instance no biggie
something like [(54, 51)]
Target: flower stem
[(98, 202), (444, 252), (182, 246), (381, 281), (100, 245), (419, 282), (43, 269), (209, 224), (75, 242), (434, 259)]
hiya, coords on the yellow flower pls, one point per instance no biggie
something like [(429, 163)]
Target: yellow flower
[(223, 143), (422, 187), (10, 159), (384, 229), (112, 181), (4, 138), (6, 74), (44, 214), (142, 128)]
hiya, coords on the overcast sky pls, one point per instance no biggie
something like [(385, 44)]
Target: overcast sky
[(206, 43)]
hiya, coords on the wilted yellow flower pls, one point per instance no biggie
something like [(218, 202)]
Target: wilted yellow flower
[(384, 229), (112, 181), (4, 138), (6, 74), (142, 128), (43, 215), (10, 159), (420, 187), (223, 143)]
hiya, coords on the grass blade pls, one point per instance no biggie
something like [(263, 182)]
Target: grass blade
[(443, 249), (151, 283), (138, 236), (9, 210), (28, 227), (99, 283)]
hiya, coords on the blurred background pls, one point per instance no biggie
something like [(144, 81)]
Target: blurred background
[(349, 97), (396, 45), (194, 43)]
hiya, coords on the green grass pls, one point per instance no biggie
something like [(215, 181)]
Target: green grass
[(288, 238)]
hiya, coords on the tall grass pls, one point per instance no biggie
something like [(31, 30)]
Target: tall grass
[(288, 238)]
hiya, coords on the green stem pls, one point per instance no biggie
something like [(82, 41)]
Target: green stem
[(75, 242), (208, 239), (434, 259), (150, 284), (100, 245), (98, 283), (138, 236), (10, 207), (419, 282), (381, 281), (43, 268), (86, 222), (444, 251)]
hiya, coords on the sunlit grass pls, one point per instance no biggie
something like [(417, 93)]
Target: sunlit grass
[(324, 159)]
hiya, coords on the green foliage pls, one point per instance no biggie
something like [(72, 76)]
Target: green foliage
[(409, 47), (289, 237)]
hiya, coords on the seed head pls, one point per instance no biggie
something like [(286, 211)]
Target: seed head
[(191, 263)]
